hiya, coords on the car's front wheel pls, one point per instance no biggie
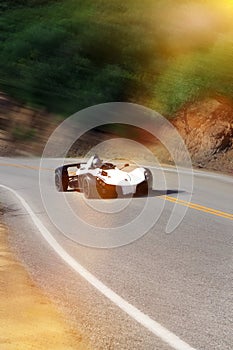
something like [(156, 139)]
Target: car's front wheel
[(107, 192), (88, 188), (142, 189)]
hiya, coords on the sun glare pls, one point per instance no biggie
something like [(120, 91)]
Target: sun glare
[(195, 24)]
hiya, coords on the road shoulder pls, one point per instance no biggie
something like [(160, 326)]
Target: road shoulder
[(28, 318)]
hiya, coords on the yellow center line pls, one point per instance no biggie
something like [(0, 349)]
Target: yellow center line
[(199, 207)]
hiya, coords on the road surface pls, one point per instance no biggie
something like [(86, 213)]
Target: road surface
[(162, 291)]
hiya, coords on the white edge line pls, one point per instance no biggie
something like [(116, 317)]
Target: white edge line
[(157, 329)]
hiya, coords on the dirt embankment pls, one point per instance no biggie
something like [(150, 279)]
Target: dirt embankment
[(23, 130), (28, 319), (206, 127)]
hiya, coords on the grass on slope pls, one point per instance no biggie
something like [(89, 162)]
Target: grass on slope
[(70, 54)]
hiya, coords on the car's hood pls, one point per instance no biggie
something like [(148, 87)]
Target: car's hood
[(122, 178)]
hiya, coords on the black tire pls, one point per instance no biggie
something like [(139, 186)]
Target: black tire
[(142, 189), (89, 188), (108, 192), (149, 178), (61, 180)]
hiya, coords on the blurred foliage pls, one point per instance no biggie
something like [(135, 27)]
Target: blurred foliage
[(23, 134), (12, 4), (67, 55), (195, 76)]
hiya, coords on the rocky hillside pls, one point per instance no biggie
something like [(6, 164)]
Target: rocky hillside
[(206, 127)]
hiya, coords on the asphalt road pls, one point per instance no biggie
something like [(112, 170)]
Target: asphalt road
[(162, 291)]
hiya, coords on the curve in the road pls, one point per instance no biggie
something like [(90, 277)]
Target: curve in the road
[(157, 329), (187, 204)]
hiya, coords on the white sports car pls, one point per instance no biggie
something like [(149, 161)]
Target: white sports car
[(96, 178)]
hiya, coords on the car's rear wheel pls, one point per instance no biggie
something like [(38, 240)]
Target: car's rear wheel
[(61, 180)]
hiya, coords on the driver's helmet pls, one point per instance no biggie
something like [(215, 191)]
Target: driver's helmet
[(96, 162)]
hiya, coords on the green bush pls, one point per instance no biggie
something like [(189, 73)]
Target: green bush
[(195, 76)]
